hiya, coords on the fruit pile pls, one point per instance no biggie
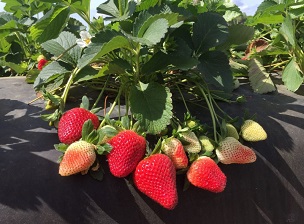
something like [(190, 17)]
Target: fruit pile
[(127, 150)]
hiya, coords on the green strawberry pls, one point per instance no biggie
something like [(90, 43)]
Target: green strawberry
[(232, 132), (71, 122), (173, 148), (231, 150), (193, 145), (128, 148), (155, 176), (206, 174), (206, 143), (78, 157), (252, 131)]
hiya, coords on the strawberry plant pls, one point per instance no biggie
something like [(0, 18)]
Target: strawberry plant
[(278, 44), (148, 55)]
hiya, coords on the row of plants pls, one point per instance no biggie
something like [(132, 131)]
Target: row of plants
[(147, 56)]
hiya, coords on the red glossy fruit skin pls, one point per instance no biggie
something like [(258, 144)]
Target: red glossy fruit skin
[(155, 176), (205, 173), (128, 148), (71, 122)]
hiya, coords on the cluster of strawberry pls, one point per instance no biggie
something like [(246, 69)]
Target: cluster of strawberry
[(154, 173)]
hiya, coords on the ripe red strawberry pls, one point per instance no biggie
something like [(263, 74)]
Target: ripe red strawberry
[(41, 63), (155, 176), (173, 148), (128, 148), (71, 122), (78, 157), (205, 173), (231, 150), (193, 145)]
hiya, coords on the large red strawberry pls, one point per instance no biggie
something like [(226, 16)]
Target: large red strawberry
[(71, 122), (78, 157), (231, 150), (128, 148), (205, 173), (173, 148), (155, 176)]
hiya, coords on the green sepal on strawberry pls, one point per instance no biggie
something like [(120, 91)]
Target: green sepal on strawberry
[(205, 173), (173, 148), (231, 150), (128, 148), (155, 176), (78, 157)]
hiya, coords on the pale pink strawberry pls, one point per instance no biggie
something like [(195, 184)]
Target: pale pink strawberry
[(231, 150), (173, 148), (192, 143), (206, 174), (78, 157)]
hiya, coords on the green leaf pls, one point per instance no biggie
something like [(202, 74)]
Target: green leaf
[(152, 33), (117, 10), (292, 76), (17, 68), (61, 147), (215, 69), (81, 7), (270, 7), (51, 24), (288, 31), (51, 117), (231, 15), (103, 43), (145, 20), (260, 80), (146, 4), (151, 104), (125, 122), (104, 149), (235, 38), (210, 30), (64, 46), (265, 19), (85, 103), (87, 129), (87, 73), (48, 71), (32, 75)]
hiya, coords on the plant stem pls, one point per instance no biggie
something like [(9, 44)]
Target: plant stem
[(183, 99), (101, 93), (112, 107), (211, 110), (68, 85)]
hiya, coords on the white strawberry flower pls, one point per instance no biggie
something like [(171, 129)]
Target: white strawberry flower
[(85, 39)]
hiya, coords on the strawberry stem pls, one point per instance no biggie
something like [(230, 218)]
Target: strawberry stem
[(183, 99), (211, 110), (112, 107), (68, 85), (101, 93)]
